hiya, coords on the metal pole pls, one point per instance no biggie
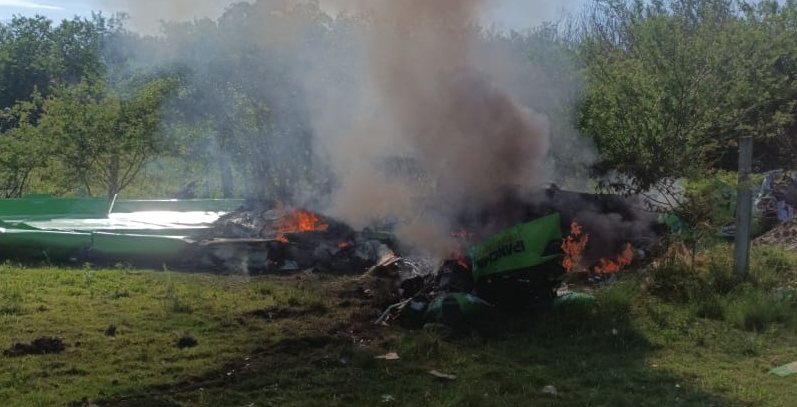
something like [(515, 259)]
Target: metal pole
[(744, 208)]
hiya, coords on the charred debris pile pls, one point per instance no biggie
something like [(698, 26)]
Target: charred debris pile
[(513, 255)]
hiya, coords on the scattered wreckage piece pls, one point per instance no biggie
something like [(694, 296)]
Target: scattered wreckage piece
[(388, 356), (302, 251), (258, 240), (520, 264), (442, 376), (785, 370), (518, 268), (774, 203)]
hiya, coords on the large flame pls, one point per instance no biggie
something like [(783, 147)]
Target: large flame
[(613, 266), (297, 220), (574, 245)]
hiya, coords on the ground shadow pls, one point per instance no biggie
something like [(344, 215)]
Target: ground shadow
[(575, 357)]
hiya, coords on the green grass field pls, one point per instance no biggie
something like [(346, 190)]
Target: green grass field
[(671, 335)]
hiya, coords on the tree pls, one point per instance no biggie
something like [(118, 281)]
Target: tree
[(104, 136), (766, 95), (26, 59), (35, 55), (671, 85), (23, 147)]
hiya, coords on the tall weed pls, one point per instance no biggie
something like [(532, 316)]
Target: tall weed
[(773, 267), (755, 310), (675, 279)]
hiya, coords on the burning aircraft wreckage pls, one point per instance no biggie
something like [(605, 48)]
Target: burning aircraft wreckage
[(440, 101), (514, 256)]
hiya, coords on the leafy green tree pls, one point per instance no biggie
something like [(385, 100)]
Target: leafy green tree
[(105, 137), (35, 54), (26, 58), (82, 46), (671, 85), (24, 148), (766, 94)]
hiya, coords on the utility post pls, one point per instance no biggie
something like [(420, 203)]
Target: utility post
[(744, 208)]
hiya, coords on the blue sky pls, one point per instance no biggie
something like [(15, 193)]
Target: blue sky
[(55, 9), (518, 14)]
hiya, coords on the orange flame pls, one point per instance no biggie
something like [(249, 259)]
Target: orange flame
[(606, 267), (573, 247), (613, 266), (627, 256), (298, 220), (460, 259)]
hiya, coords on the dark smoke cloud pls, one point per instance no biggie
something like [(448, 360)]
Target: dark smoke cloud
[(429, 100)]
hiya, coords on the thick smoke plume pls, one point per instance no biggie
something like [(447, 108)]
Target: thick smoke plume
[(415, 109), (456, 141)]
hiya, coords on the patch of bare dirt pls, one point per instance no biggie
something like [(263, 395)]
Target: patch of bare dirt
[(275, 313), (39, 346)]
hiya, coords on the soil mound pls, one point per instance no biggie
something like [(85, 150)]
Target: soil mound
[(784, 235), (39, 346)]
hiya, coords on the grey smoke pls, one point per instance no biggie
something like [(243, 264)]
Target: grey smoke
[(428, 98), (146, 14), (414, 116)]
